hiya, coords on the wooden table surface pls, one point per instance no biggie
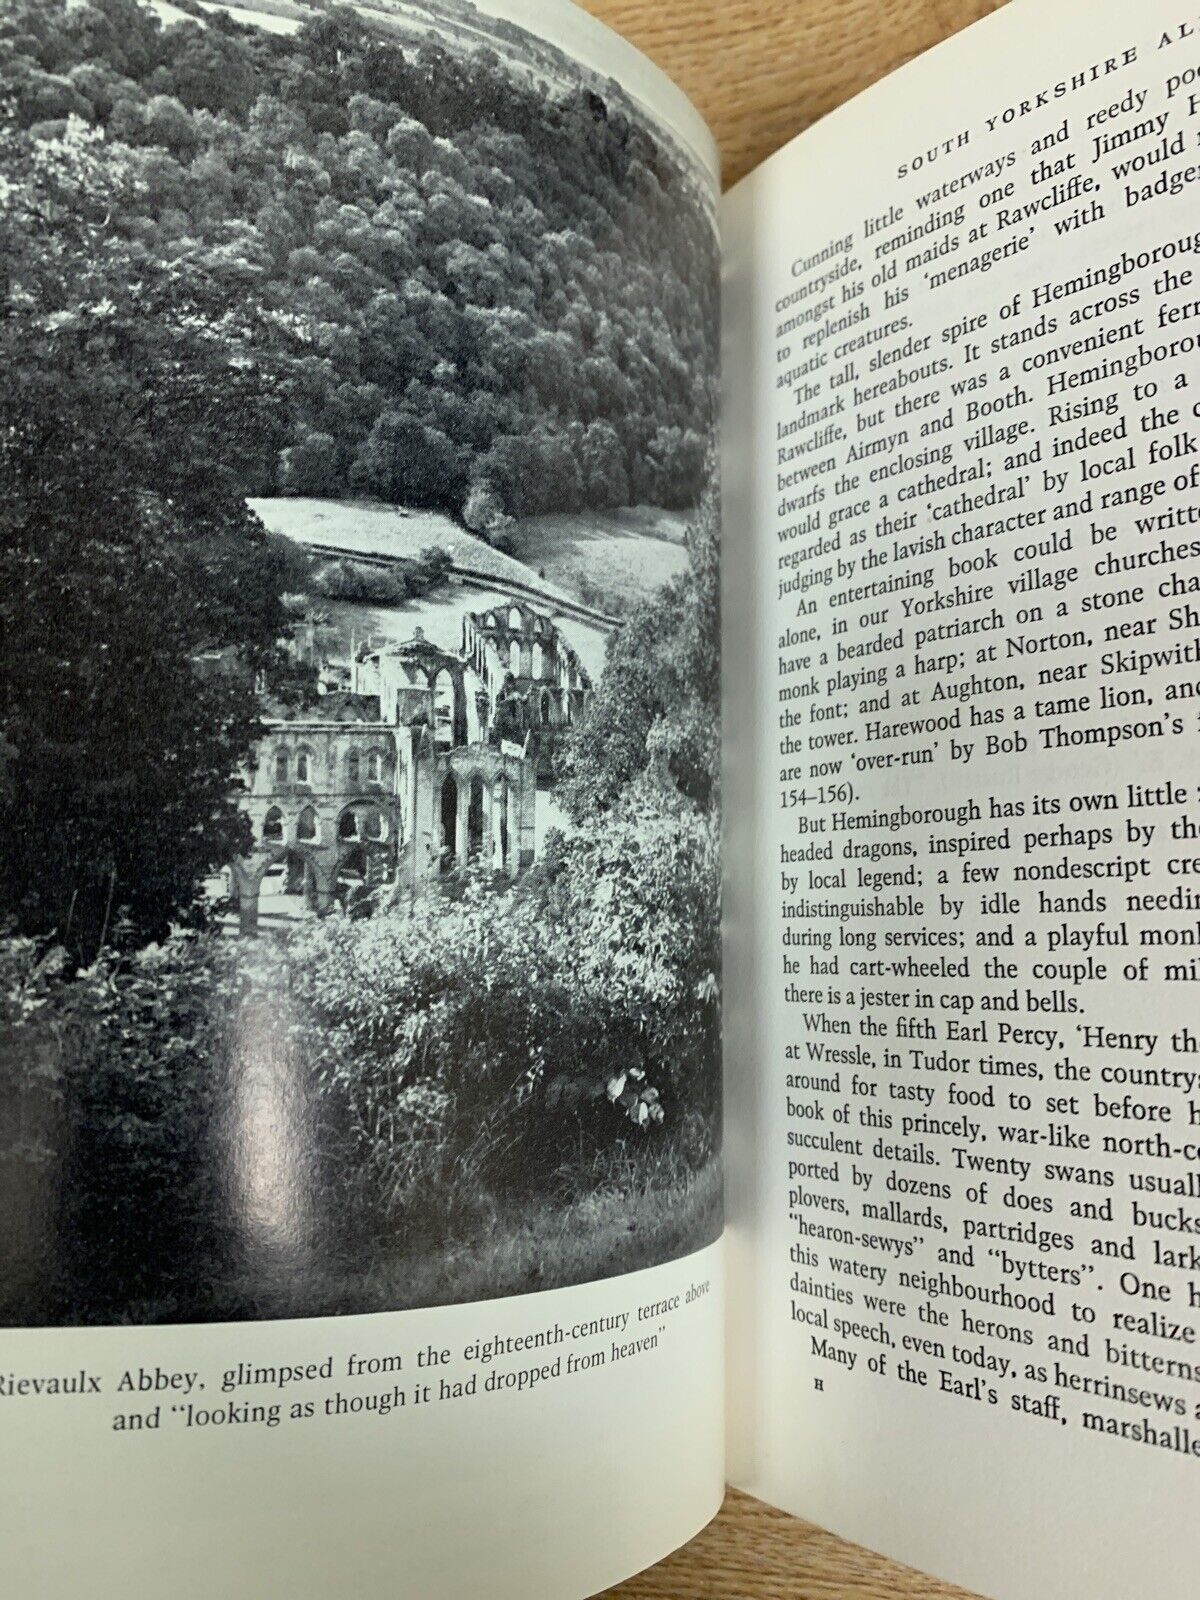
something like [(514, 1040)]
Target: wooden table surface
[(753, 1552), (760, 71)]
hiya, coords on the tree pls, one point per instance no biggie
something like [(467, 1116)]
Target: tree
[(138, 595), (310, 466), (516, 269), (605, 481), (654, 719), (483, 512), (409, 463)]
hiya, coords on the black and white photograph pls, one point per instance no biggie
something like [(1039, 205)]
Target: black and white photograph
[(359, 665)]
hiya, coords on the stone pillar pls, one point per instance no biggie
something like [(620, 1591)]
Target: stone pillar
[(526, 841), (512, 864), (247, 885), (424, 822), (321, 884), (463, 827), (496, 831)]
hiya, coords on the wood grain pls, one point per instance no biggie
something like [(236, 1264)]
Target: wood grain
[(759, 72), (753, 1552)]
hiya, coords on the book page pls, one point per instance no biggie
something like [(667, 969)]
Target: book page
[(360, 1091), (961, 403)]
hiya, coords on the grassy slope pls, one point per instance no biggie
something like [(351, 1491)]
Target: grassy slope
[(363, 526), (367, 527), (586, 555), (624, 554)]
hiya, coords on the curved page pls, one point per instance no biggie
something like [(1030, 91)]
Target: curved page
[(360, 1124), (968, 433)]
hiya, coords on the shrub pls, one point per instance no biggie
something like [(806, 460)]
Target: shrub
[(368, 584), (214, 1112)]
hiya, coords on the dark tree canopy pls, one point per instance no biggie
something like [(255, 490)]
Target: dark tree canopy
[(127, 557)]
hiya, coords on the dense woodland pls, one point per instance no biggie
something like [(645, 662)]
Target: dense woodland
[(230, 260), (469, 294)]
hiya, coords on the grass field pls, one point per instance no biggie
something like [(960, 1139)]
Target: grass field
[(606, 558), (594, 556), (632, 1223), (367, 527), (643, 1216)]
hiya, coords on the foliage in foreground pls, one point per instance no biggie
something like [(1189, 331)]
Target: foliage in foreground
[(207, 1110)]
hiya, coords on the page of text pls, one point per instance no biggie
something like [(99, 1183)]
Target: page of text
[(965, 457)]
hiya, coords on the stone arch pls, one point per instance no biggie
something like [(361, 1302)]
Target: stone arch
[(448, 814), (300, 877), (272, 828), (358, 876), (515, 619), (539, 661), (362, 822), (353, 860), (514, 657), (375, 765), (308, 826)]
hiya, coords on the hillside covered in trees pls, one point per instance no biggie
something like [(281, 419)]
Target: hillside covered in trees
[(465, 293), (238, 264)]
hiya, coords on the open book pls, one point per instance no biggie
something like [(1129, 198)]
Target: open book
[(365, 739)]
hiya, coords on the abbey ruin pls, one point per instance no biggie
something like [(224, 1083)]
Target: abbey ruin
[(429, 761)]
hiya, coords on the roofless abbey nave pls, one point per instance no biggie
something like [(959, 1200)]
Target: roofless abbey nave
[(431, 760)]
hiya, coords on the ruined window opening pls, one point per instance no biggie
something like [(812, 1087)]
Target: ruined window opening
[(449, 809), (443, 708)]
